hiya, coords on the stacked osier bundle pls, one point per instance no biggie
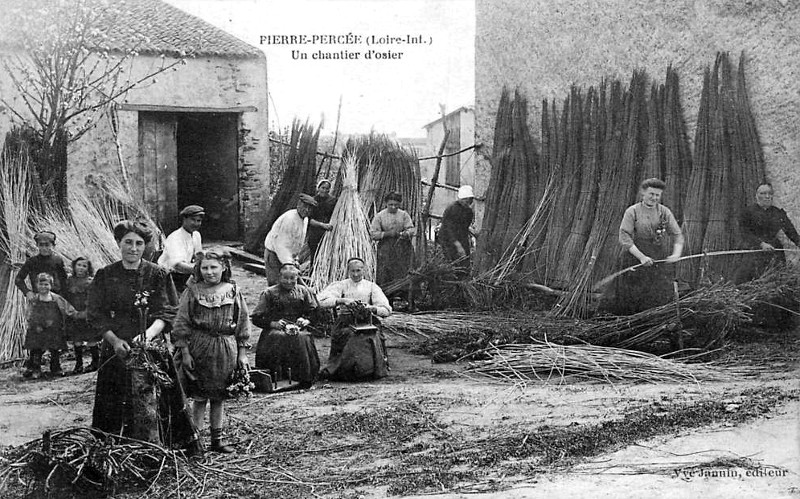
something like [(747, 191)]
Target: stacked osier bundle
[(299, 177), (728, 166), (14, 239), (595, 151), (349, 237), (383, 166), (510, 197)]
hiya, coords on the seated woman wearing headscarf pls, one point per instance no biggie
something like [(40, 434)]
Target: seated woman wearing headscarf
[(645, 233), (350, 296), (283, 313)]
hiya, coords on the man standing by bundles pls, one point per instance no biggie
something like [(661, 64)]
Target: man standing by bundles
[(183, 245), (286, 238), (454, 230)]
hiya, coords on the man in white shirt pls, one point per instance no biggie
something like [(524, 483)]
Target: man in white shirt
[(183, 245), (286, 238)]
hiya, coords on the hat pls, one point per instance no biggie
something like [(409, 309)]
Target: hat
[(192, 210), (465, 191), (324, 181), (307, 200), (45, 236)]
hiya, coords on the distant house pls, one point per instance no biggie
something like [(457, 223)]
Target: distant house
[(197, 135), (456, 169)]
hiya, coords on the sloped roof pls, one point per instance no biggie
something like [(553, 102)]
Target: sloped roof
[(154, 27)]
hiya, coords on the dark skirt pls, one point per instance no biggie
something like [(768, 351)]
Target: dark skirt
[(394, 259), (342, 332), (643, 288), (278, 352), (45, 327), (214, 362), (80, 330), (130, 403)]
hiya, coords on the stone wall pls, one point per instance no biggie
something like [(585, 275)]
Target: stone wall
[(203, 82), (543, 46)]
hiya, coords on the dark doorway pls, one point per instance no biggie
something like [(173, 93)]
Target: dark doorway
[(208, 171)]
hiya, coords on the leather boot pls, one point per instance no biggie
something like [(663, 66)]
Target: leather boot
[(216, 442), (78, 359), (34, 365), (55, 363), (95, 351)]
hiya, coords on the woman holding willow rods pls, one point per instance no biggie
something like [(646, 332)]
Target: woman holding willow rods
[(128, 305), (645, 233)]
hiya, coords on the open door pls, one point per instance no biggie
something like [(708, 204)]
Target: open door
[(207, 170)]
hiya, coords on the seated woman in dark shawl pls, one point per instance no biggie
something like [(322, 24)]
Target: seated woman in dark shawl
[(128, 300), (282, 313)]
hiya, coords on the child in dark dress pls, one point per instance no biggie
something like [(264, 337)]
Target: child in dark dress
[(78, 330), (47, 315)]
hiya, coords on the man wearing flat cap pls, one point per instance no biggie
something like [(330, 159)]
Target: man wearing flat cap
[(45, 260), (183, 245), (286, 238)]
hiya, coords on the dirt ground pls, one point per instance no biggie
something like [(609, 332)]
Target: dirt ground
[(428, 431)]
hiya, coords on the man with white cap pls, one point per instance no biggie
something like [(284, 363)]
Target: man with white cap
[(183, 245), (286, 238), (454, 230)]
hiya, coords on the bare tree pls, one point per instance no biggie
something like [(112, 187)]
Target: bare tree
[(74, 59)]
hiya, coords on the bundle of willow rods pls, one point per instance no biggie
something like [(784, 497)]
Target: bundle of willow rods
[(515, 163), (527, 326), (299, 177), (81, 458), (14, 239), (586, 203), (384, 166), (709, 314), (704, 318), (728, 166), (621, 162), (349, 237), (548, 362), (677, 155), (653, 164), (695, 212)]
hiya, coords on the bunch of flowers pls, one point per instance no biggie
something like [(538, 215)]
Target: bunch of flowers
[(239, 383)]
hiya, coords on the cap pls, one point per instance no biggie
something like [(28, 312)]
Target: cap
[(307, 199), (45, 236), (324, 181), (465, 191), (192, 210)]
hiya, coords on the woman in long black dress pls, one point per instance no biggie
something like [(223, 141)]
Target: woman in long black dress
[(129, 300), (282, 312), (320, 217)]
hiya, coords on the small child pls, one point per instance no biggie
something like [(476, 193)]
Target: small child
[(78, 329), (45, 261), (47, 314)]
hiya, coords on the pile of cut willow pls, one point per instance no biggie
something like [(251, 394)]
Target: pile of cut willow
[(547, 362)]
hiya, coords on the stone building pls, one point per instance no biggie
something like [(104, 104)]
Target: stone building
[(543, 46), (456, 169), (195, 135)]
